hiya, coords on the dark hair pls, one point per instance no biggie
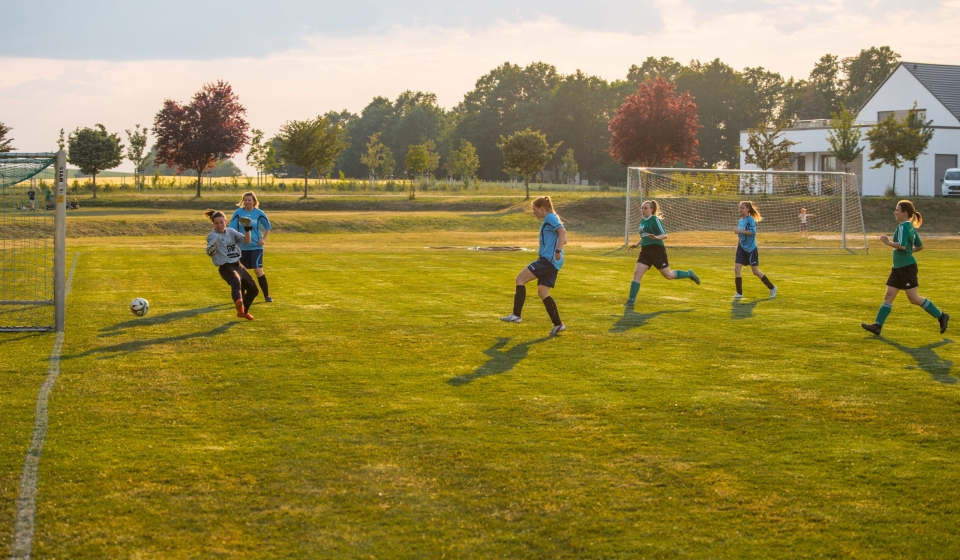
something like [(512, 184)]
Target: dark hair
[(214, 214), (915, 218)]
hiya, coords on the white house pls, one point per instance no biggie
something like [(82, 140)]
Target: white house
[(936, 90)]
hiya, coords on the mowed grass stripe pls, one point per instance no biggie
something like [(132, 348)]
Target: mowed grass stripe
[(330, 425)]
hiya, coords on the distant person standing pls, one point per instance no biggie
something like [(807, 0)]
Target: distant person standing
[(252, 252), (47, 198), (32, 197), (803, 220)]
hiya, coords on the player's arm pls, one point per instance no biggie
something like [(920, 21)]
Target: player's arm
[(561, 240), (211, 244)]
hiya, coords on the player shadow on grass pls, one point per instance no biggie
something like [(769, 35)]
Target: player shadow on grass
[(928, 360), (162, 319), (741, 310), (631, 319), (501, 361), (132, 346)]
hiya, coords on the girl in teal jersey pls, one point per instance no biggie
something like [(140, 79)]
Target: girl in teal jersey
[(747, 252), (251, 254), (903, 275), (652, 251)]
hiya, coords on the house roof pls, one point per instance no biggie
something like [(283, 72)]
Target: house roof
[(941, 80)]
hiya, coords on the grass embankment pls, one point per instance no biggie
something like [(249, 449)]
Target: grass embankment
[(379, 408)]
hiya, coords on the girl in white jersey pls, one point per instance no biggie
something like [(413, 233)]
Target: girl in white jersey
[(223, 247)]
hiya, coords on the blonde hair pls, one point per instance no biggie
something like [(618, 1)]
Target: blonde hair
[(915, 218), (545, 202), (214, 214), (654, 208), (752, 210), (256, 203)]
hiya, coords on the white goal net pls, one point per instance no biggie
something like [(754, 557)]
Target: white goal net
[(32, 235), (799, 209)]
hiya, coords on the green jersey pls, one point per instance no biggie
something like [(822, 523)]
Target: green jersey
[(905, 235), (651, 226)]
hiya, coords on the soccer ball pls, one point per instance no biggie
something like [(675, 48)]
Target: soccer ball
[(139, 307)]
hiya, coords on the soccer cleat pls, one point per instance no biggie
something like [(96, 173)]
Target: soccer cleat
[(694, 277), (773, 292), (511, 318), (240, 310), (268, 299), (943, 322), (873, 327), (737, 297), (248, 316), (557, 329)]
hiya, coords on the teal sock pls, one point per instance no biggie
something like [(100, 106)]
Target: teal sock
[(682, 274), (930, 308), (634, 290), (883, 313)]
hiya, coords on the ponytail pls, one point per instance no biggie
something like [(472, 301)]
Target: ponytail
[(915, 218), (214, 214), (546, 203), (752, 210)]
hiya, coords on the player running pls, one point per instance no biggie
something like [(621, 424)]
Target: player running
[(903, 275), (652, 251), (553, 236), (251, 253), (223, 249), (747, 252)]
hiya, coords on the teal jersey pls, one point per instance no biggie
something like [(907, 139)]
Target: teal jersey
[(258, 224), (651, 226), (549, 237), (748, 242), (905, 235)]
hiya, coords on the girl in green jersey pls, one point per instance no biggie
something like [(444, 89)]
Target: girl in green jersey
[(903, 275), (652, 251)]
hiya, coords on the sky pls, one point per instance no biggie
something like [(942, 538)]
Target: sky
[(67, 64)]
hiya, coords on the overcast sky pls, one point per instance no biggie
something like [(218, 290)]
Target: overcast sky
[(65, 64)]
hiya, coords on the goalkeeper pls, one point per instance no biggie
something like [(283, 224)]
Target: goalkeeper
[(652, 251), (223, 248)]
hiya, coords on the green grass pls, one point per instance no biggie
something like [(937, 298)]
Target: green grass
[(380, 409)]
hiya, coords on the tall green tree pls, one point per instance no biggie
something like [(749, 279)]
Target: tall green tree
[(312, 145), (721, 96), (136, 152), (421, 159), (570, 168), (463, 162), (389, 164), (373, 159), (766, 149), (653, 68), (257, 153), (844, 136), (919, 134), (5, 143), (865, 72), (526, 153), (889, 141), (94, 150)]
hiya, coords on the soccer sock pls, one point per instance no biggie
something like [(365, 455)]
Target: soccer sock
[(883, 313), (552, 310), (930, 308), (766, 281), (634, 290), (262, 280), (518, 299), (681, 274), (739, 285)]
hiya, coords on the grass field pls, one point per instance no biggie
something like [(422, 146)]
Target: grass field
[(380, 409)]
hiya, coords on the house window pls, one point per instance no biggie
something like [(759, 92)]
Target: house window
[(900, 115), (828, 163), (801, 163)]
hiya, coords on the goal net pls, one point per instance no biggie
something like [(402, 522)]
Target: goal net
[(32, 217), (799, 209)]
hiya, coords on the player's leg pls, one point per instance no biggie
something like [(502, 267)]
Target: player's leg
[(884, 310), (250, 290), (262, 277), (753, 259), (520, 296), (638, 273), (738, 279), (229, 274), (679, 274), (544, 284), (928, 306)]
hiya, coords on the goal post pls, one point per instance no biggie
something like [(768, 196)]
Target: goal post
[(802, 210), (32, 242)]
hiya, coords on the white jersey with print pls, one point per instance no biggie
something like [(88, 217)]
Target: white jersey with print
[(227, 248)]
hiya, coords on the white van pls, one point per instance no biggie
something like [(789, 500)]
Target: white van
[(951, 182)]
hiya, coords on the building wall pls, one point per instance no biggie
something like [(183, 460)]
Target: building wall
[(898, 94)]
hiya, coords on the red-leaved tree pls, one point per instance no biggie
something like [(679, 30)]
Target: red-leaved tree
[(196, 136), (655, 127)]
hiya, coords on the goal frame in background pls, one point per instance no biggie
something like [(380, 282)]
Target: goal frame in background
[(58, 297), (849, 192)]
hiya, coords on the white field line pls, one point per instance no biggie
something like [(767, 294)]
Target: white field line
[(27, 501)]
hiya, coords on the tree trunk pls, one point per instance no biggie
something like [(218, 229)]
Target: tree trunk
[(895, 180), (305, 179), (526, 183), (94, 185), (199, 179)]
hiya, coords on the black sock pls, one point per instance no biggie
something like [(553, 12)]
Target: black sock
[(552, 310), (739, 285), (518, 299), (262, 280), (766, 281)]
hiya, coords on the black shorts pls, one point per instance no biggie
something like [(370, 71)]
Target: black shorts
[(749, 258), (653, 255), (545, 272), (252, 258), (803, 226), (903, 278)]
